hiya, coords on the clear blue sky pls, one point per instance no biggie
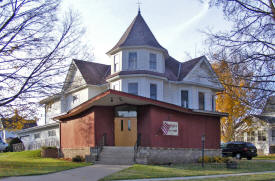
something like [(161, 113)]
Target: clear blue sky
[(176, 24)]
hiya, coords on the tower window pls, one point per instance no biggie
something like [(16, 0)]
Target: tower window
[(132, 61), (153, 61), (133, 88), (115, 63), (153, 91)]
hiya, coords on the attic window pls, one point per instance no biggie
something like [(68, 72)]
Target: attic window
[(75, 98)]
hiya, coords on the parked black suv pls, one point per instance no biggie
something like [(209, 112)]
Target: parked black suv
[(239, 150)]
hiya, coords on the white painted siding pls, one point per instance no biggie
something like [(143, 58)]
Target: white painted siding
[(144, 86), (32, 143), (119, 56), (95, 90), (82, 97), (54, 108), (203, 76), (172, 94), (116, 85), (143, 57)]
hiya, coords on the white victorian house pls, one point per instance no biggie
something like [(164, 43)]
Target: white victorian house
[(263, 134), (138, 65)]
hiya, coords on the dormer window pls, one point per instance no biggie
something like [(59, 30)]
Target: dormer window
[(153, 61), (132, 61), (115, 63)]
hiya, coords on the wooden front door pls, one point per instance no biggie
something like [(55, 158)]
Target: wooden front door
[(125, 131)]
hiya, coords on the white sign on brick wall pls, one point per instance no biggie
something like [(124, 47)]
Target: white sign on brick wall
[(170, 128)]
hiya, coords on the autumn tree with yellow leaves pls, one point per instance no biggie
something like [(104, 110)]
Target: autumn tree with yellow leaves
[(234, 100), (16, 122)]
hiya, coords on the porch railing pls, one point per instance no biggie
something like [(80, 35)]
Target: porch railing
[(136, 147), (99, 147)]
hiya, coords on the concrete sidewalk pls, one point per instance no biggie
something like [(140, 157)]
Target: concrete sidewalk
[(200, 177), (91, 173)]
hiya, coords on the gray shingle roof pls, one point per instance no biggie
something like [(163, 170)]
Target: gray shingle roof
[(176, 70), (93, 73), (96, 74), (138, 34)]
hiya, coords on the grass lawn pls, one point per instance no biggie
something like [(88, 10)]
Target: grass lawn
[(150, 171), (265, 157), (261, 177), (30, 163)]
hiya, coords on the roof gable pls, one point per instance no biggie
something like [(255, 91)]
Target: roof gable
[(84, 72), (203, 73), (93, 73), (73, 79), (137, 34)]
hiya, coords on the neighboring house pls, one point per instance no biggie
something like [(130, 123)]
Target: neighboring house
[(36, 137), (9, 126), (144, 95), (263, 134)]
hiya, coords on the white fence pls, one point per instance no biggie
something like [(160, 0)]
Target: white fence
[(35, 145)]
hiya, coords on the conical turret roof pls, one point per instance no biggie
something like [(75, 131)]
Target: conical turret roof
[(137, 34)]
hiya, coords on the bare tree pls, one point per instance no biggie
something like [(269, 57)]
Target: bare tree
[(34, 49), (249, 45)]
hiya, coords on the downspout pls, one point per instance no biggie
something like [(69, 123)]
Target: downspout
[(60, 139)]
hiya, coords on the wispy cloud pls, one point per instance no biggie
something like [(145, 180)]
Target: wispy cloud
[(194, 19)]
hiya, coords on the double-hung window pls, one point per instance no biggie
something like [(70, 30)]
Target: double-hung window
[(201, 101), (116, 63), (133, 88), (51, 133), (153, 61), (153, 91), (213, 102), (132, 61), (184, 98), (251, 136), (261, 135), (273, 134)]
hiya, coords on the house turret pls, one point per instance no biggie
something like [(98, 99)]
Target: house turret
[(138, 49)]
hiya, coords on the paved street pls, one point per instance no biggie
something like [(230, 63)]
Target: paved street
[(91, 173)]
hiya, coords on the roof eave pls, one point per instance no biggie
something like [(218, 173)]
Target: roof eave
[(114, 51)]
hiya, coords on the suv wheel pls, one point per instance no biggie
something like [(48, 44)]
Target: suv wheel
[(249, 158), (238, 156)]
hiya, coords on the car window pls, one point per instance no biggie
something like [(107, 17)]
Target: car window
[(230, 146), (250, 145)]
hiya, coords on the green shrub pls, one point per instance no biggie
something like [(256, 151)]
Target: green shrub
[(214, 159), (78, 158), (48, 147), (12, 142)]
